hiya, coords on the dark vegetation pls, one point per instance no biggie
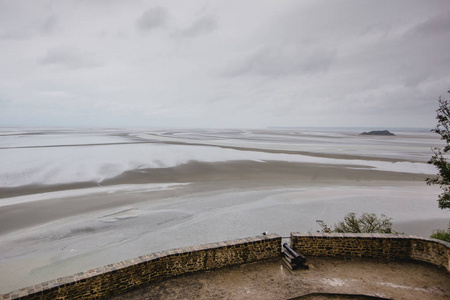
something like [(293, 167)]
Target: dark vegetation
[(440, 161), (378, 132), (440, 157), (442, 234), (366, 223)]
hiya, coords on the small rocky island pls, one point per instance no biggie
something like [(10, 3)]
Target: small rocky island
[(377, 132)]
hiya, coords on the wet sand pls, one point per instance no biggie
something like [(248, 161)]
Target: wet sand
[(62, 235), (49, 231), (209, 176), (195, 171)]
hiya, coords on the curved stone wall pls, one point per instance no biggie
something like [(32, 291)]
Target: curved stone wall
[(389, 246), (126, 275)]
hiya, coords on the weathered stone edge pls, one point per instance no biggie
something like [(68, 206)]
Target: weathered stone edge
[(56, 283), (368, 236)]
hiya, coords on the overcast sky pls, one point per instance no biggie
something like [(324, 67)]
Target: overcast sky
[(233, 64)]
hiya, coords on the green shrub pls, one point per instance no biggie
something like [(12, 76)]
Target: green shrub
[(442, 234), (366, 223)]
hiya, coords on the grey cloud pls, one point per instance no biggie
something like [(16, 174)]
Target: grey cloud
[(48, 25), (437, 25), (15, 34), (423, 51), (152, 18), (42, 26), (70, 58), (201, 26), (299, 62), (283, 61)]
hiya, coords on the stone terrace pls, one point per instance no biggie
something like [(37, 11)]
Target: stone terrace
[(271, 280), (375, 264)]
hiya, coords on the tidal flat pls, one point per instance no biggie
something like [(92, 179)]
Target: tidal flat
[(73, 199)]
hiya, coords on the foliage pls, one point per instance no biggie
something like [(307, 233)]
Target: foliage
[(442, 234), (439, 159), (366, 223)]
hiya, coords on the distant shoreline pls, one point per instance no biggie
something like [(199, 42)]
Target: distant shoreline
[(139, 128)]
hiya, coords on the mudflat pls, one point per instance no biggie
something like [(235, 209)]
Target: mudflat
[(202, 176), (77, 200)]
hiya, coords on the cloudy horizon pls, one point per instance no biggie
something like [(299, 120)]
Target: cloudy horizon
[(224, 64)]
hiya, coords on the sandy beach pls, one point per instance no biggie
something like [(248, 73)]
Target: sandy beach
[(174, 190)]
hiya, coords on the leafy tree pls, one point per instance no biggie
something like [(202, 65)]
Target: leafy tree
[(366, 223), (439, 159)]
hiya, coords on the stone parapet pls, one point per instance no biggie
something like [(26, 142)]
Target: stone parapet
[(386, 246), (126, 275)]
